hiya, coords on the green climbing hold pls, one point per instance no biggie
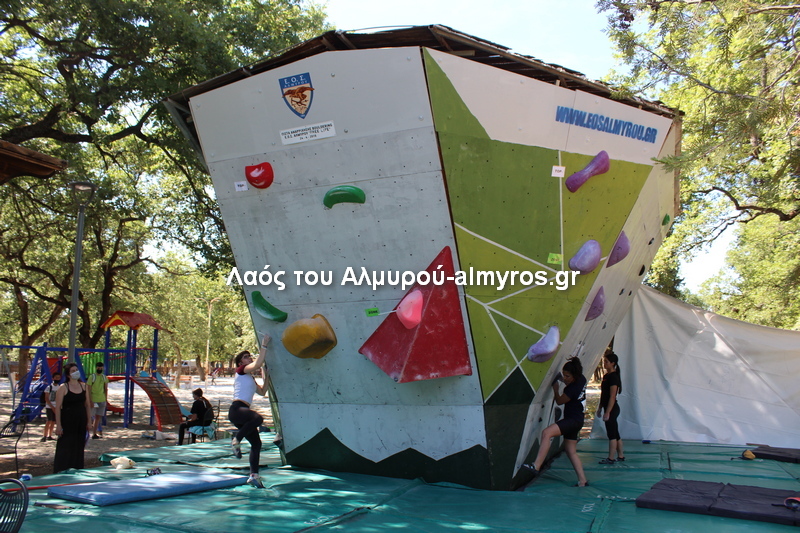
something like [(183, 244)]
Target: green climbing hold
[(344, 193), (665, 221), (267, 310)]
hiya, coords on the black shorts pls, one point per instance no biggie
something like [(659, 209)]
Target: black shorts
[(51, 415), (570, 427)]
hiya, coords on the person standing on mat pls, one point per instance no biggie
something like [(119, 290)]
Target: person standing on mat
[(198, 417), (98, 395), (245, 419), (610, 387), (73, 420), (572, 422)]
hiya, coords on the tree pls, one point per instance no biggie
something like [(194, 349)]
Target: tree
[(178, 301), (732, 67), (83, 80), (762, 285)]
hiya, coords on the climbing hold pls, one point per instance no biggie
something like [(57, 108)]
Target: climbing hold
[(309, 337), (620, 250), (267, 310), (409, 311), (598, 304), (587, 258), (259, 176), (666, 220), (599, 165), (546, 347), (344, 193)]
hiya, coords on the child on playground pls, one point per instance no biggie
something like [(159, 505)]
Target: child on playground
[(98, 391), (50, 406)]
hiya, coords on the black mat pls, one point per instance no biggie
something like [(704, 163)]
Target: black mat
[(787, 455), (716, 499)]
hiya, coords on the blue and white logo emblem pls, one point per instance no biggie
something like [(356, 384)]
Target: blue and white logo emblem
[(298, 93)]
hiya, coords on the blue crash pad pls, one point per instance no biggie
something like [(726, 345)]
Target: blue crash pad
[(146, 488)]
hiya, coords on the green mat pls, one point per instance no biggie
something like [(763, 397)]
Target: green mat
[(303, 500)]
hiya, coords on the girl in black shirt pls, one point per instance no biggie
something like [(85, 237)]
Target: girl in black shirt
[(570, 426), (609, 389)]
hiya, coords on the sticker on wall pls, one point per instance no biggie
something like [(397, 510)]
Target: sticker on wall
[(241, 186), (308, 133), (558, 171), (298, 93), (554, 259), (259, 176)]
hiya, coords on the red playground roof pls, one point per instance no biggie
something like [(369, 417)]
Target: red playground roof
[(130, 319)]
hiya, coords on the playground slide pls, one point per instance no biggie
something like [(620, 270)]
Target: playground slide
[(166, 406)]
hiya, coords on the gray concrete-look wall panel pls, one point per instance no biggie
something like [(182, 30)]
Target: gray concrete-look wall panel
[(439, 430), (333, 162), (363, 92)]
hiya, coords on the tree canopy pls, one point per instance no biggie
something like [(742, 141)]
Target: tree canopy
[(83, 80), (732, 66)]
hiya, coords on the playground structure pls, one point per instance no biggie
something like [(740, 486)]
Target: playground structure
[(120, 364)]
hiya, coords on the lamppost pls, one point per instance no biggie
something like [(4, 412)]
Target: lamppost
[(208, 330), (82, 193)]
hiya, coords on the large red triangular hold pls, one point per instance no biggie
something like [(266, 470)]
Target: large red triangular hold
[(437, 346)]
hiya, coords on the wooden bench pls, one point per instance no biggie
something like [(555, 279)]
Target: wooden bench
[(185, 379)]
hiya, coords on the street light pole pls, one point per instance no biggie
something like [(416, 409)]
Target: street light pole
[(208, 330), (82, 193)]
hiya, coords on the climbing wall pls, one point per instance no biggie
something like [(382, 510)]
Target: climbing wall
[(346, 171), (510, 153)]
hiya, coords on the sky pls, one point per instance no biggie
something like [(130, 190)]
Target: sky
[(569, 33)]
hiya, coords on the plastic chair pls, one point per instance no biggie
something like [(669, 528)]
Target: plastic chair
[(12, 432), (13, 505)]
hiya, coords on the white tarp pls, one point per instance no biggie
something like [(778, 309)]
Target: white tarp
[(695, 376)]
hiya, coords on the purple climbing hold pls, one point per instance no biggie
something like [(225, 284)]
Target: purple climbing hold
[(598, 304), (599, 165), (587, 258), (620, 251), (546, 347)]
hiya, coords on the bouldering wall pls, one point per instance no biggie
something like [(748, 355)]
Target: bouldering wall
[(346, 170)]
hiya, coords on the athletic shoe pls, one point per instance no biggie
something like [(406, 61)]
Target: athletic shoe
[(255, 481), (237, 448), (531, 468), (606, 461), (50, 438), (96, 437), (579, 485), (620, 459), (44, 439)]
